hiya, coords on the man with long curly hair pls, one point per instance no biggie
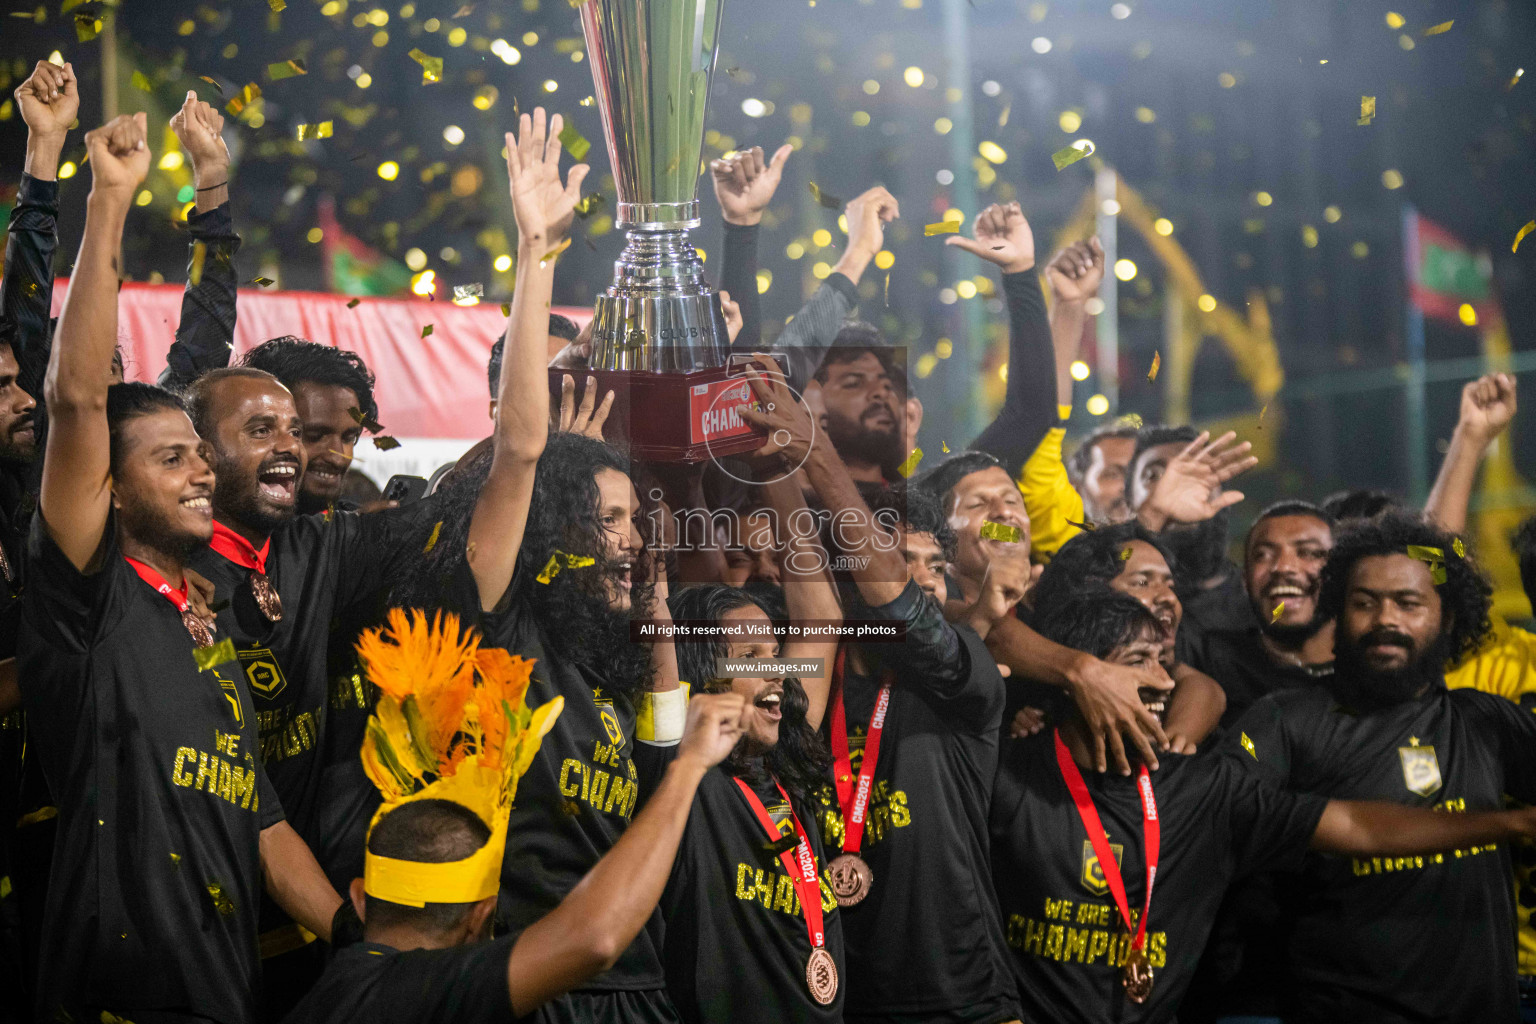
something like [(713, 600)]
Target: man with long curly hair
[(1363, 932)]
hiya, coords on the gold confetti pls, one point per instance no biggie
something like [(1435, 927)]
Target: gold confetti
[(1515, 79), (1072, 154), (1440, 29), (555, 252), (552, 569), (139, 81), (87, 27), (826, 199), (199, 255), (1530, 226), (574, 142), (278, 6), (887, 290), (432, 540), (943, 227), (1125, 554), (219, 654), (221, 901), (426, 332), (217, 87), (1085, 525), (1248, 745), (431, 67), (175, 858), (286, 69), (910, 465), (1367, 110), (354, 303), (506, 309), (943, 445), (1276, 612), (1459, 547), (589, 205), (385, 444), (1437, 574), (1002, 119), (1003, 532), (263, 282), (1425, 554), (323, 130), (1157, 362), (248, 95)]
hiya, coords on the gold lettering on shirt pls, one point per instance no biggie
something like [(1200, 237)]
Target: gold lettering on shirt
[(602, 791), (1087, 946), (284, 733), (888, 810), (216, 776), (1365, 866)]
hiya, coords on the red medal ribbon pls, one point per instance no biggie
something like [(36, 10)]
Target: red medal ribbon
[(1151, 836), (801, 865), (854, 802), (177, 597), (239, 550)]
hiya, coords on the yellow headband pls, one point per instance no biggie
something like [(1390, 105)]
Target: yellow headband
[(453, 713)]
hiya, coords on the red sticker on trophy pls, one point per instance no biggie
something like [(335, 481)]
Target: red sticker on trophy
[(712, 414)]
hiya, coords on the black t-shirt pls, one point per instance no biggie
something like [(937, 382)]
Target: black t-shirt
[(1063, 925), (578, 795), (736, 939), (1236, 659), (381, 985), (1224, 606), (156, 877), (1398, 938), (927, 942)]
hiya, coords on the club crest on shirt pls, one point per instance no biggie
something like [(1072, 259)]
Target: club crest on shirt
[(1093, 875), (604, 705), (231, 694), (261, 671), (1421, 769)]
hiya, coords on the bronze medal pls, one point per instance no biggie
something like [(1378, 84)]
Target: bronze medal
[(1136, 976), (265, 593), (821, 976), (851, 879), (202, 633)]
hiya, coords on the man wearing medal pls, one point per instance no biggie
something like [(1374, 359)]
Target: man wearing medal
[(166, 822), (913, 730), (1109, 884)]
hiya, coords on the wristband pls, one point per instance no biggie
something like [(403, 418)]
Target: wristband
[(660, 717), (210, 188)]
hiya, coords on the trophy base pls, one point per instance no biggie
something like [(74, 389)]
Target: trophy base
[(671, 417)]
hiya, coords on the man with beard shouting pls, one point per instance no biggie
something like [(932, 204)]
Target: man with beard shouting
[(1362, 937)]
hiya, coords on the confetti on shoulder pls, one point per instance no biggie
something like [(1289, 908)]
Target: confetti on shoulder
[(1070, 155), (431, 67), (943, 227), (1001, 531), (219, 654), (908, 467)]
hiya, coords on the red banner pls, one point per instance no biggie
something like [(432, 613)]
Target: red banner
[(428, 387)]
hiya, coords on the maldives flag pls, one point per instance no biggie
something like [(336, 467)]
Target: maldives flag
[(353, 267), (1443, 273)]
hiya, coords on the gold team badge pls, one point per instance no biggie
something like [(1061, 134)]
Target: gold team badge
[(1421, 769), (1093, 875), (262, 673)]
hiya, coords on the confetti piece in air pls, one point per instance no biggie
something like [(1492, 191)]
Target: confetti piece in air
[(286, 69), (826, 199), (574, 142), (432, 540), (1279, 610), (1125, 554), (560, 560), (1248, 745), (139, 81), (1132, 420), (887, 290), (588, 205), (385, 444), (1002, 119), (944, 446), (353, 304), (323, 130), (1367, 110), (1085, 525), (1530, 226), (1515, 80), (1001, 531), (220, 653), (1459, 547), (87, 27), (431, 67), (1157, 362), (199, 257), (943, 227), (555, 252), (1440, 29), (278, 6), (1072, 154), (248, 95), (506, 309), (426, 332), (910, 465), (263, 282), (368, 423), (1425, 554), (216, 86)]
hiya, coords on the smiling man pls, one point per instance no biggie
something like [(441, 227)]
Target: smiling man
[(286, 579), (333, 392)]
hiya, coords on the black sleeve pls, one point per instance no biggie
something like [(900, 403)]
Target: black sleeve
[(1029, 404), (1269, 827), (206, 335), (1260, 742), (270, 805), (738, 275), (651, 763), (26, 295), (373, 549), (949, 663), (66, 607), (1515, 729)]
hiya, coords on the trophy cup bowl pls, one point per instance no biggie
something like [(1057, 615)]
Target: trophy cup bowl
[(659, 339)]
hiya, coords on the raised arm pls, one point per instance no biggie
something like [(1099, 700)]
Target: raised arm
[(1074, 275), (809, 593), (1369, 828), (49, 100), (544, 209), (1487, 406), (1003, 237), (745, 185), (76, 491), (206, 335), (598, 919), (1190, 489)]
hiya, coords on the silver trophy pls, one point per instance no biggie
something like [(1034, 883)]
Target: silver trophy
[(653, 62)]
